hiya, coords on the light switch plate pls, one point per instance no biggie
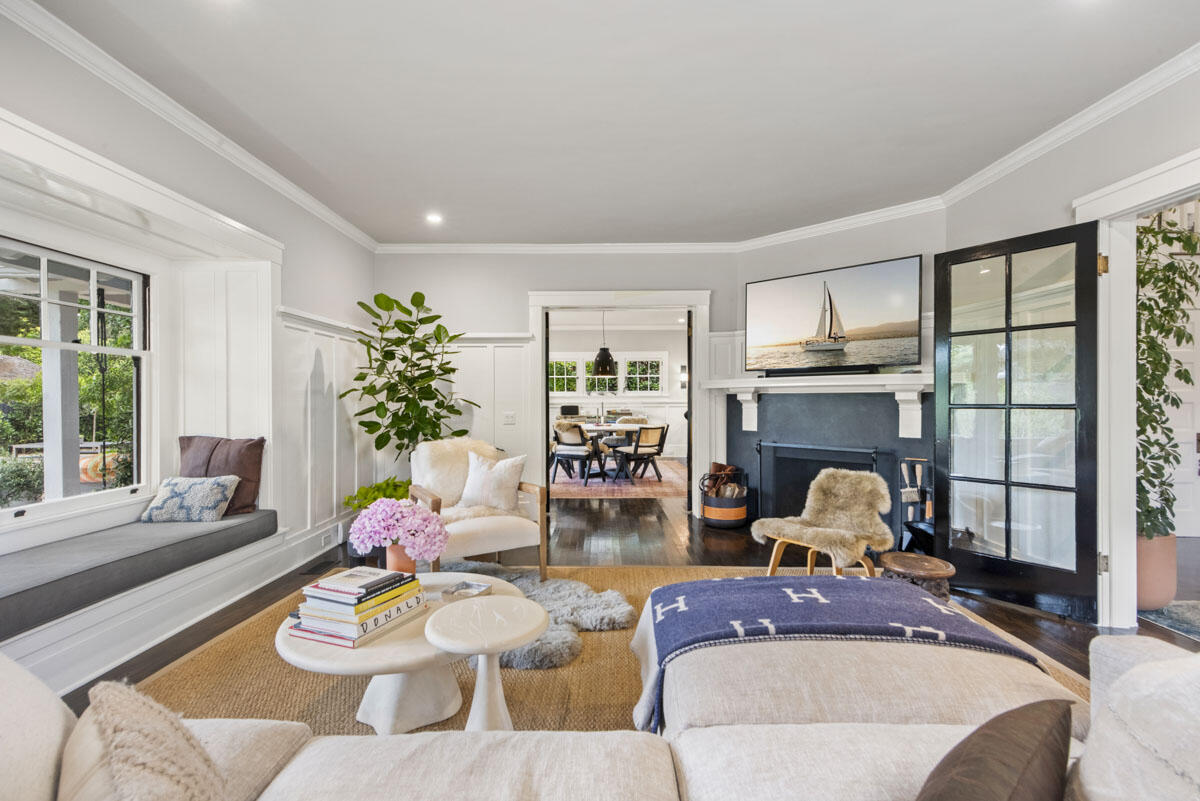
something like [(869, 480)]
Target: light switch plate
[(510, 418)]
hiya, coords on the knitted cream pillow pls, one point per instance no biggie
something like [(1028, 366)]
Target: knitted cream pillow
[(128, 747)]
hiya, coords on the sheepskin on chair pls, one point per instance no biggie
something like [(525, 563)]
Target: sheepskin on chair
[(840, 518)]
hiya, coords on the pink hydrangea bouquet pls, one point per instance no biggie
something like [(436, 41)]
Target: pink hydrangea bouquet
[(388, 521)]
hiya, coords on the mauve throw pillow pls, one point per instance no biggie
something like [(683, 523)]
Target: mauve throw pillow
[(1019, 755), (217, 456)]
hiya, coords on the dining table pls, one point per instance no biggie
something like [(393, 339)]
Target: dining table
[(598, 431)]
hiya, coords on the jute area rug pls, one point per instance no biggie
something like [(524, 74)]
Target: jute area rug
[(238, 674)]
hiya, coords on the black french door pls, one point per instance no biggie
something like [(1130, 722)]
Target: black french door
[(1015, 373)]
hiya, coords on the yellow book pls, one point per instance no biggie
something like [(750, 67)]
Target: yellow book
[(347, 611)]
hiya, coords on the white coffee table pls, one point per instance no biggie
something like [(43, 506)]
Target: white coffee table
[(487, 627), (412, 684)]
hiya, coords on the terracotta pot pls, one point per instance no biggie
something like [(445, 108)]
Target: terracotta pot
[(1156, 572), (398, 559)]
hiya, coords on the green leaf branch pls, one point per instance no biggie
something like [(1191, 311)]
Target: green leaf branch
[(1168, 276), (407, 383)]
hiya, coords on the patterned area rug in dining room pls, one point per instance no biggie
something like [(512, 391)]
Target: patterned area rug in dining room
[(673, 484)]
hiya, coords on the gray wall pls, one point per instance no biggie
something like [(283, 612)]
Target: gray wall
[(1039, 195), (324, 271), (489, 292)]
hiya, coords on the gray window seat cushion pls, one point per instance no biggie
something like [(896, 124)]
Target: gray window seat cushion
[(48, 581)]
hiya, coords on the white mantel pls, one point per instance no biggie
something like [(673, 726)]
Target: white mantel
[(728, 378)]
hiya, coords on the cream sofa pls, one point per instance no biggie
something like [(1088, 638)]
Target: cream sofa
[(834, 740)]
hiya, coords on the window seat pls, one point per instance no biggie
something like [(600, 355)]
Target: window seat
[(45, 582)]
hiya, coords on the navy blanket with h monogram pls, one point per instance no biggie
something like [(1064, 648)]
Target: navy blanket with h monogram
[(698, 614)]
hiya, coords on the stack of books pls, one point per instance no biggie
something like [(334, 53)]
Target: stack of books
[(355, 606)]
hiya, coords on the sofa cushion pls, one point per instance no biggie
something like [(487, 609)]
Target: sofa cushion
[(249, 753), (1143, 740), (223, 457), (48, 581), (482, 535), (441, 466), (1019, 755), (814, 762), (128, 746), (499, 766), (34, 727), (823, 681)]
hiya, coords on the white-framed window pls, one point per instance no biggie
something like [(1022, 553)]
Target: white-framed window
[(562, 375), (638, 373), (71, 349)]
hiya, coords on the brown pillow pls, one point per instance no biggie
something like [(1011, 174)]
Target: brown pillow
[(1019, 755), (205, 457)]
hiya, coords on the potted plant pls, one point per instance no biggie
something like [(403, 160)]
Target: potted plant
[(408, 530), (1168, 278), (390, 487), (407, 383)]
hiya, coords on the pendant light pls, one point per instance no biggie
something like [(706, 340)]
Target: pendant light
[(604, 365)]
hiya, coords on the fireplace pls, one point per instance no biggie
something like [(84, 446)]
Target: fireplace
[(786, 469)]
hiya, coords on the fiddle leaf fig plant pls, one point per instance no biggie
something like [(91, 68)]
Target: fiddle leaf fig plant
[(1168, 277), (407, 383)]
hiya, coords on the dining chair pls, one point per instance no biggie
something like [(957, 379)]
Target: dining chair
[(647, 444), (572, 445)]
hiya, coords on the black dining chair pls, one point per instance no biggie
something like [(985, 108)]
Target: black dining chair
[(647, 444), (572, 445)]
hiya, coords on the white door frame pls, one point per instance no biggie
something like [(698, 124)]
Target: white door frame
[(694, 300), (1117, 207)]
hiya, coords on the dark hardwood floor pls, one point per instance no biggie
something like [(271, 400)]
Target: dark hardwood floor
[(627, 531)]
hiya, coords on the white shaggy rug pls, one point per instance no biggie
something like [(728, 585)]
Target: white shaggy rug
[(572, 605)]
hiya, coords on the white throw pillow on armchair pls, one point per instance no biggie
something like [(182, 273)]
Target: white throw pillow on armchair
[(492, 483)]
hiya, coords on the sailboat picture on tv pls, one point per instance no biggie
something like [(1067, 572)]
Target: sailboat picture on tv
[(849, 318)]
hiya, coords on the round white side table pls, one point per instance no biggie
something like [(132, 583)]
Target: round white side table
[(487, 627), (412, 684)]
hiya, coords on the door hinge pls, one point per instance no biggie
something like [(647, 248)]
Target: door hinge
[(1101, 564), (1101, 264)]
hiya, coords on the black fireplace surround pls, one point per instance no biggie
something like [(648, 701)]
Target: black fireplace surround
[(851, 431)]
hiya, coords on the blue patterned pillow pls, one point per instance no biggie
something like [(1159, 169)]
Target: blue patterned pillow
[(191, 500)]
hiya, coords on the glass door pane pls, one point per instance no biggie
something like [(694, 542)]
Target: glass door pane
[(1043, 285), (977, 295)]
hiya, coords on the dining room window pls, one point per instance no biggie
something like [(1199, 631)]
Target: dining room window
[(562, 375), (644, 375), (600, 384), (638, 373)]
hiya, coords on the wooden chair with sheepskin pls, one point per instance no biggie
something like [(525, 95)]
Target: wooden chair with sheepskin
[(481, 498), (840, 519)]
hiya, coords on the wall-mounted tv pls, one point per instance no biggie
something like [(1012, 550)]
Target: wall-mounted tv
[(860, 317)]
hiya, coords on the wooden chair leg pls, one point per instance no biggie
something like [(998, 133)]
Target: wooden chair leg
[(554, 472), (435, 566), (868, 565), (654, 464), (812, 560), (776, 557), (838, 571), (585, 469)]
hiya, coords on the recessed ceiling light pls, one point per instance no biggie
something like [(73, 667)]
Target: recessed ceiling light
[(433, 218), (681, 320), (985, 270)]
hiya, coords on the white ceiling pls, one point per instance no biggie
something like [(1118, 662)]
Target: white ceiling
[(626, 121)]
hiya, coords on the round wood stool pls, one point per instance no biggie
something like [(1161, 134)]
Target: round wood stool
[(927, 572)]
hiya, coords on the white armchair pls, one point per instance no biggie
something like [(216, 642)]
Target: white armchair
[(439, 473)]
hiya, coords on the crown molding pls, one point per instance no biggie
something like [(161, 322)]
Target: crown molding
[(898, 212), (65, 39), (1145, 86), (514, 248)]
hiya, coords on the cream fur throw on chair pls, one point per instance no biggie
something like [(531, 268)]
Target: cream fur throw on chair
[(840, 518)]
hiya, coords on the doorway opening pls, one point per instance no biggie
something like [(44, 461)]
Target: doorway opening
[(618, 395), (1173, 563)]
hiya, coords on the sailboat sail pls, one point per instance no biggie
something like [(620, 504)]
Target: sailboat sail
[(824, 321), (836, 329)]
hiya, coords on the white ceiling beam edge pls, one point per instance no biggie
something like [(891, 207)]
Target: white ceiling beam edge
[(50, 29)]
